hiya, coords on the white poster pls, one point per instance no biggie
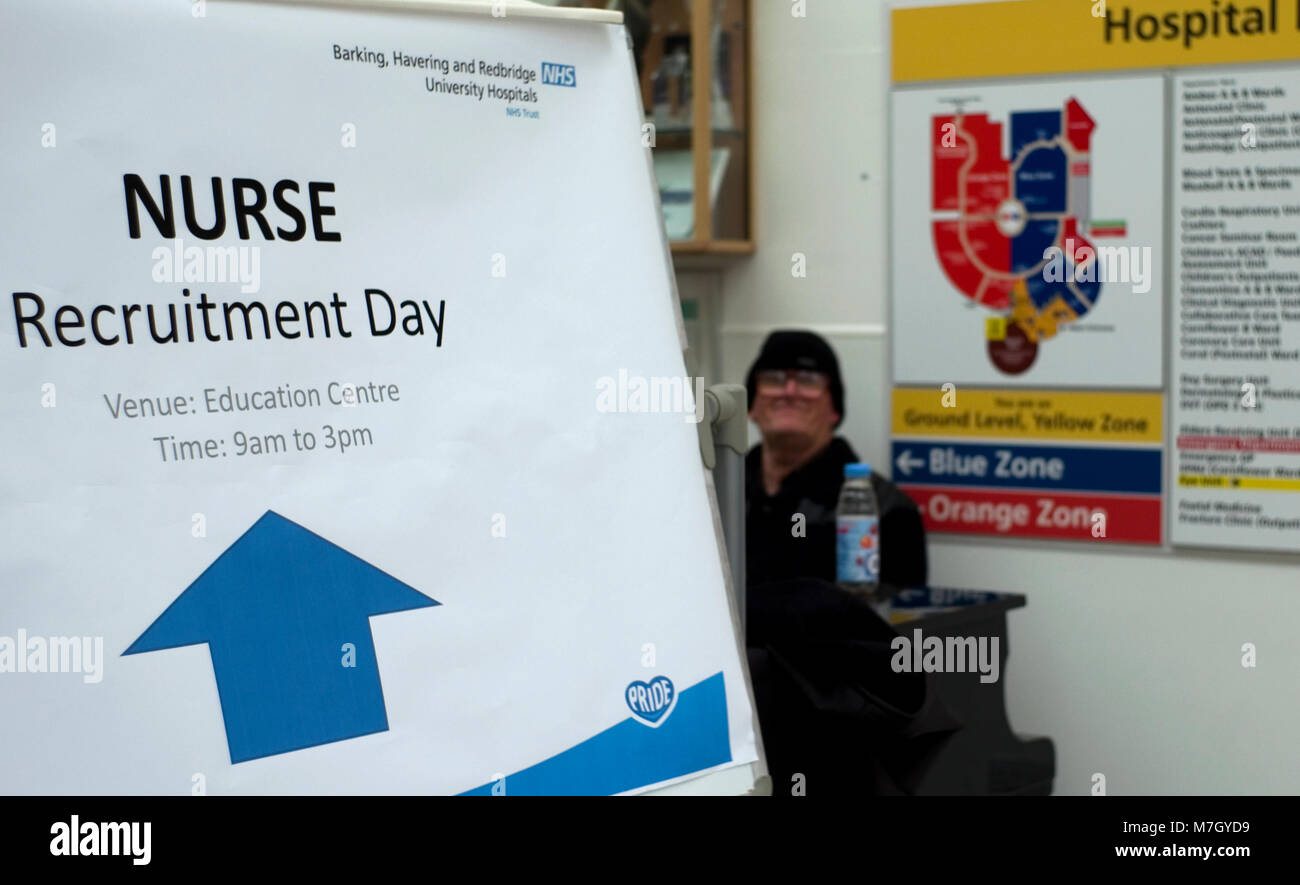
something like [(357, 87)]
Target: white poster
[(1237, 298), (329, 466), (1027, 232)]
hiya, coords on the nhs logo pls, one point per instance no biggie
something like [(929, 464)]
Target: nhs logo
[(559, 75)]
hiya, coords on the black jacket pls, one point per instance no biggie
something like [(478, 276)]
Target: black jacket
[(773, 552), (835, 717)]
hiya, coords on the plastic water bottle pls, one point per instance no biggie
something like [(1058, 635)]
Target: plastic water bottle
[(857, 527)]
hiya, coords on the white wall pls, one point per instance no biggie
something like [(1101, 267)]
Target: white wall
[(1130, 660)]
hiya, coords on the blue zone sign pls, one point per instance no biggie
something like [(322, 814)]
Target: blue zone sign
[(1038, 467)]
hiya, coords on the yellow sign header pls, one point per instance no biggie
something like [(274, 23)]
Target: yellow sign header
[(1018, 37), (1136, 418), (1239, 482)]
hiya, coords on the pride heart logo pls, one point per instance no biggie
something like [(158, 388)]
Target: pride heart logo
[(651, 702)]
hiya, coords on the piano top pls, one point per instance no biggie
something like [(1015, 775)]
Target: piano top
[(949, 604)]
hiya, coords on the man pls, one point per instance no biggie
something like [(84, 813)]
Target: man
[(796, 397), (836, 719)]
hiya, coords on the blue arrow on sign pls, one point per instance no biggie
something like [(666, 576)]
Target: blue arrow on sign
[(286, 616)]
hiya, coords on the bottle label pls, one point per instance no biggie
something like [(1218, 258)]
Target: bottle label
[(858, 549)]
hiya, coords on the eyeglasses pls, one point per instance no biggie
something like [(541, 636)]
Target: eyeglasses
[(808, 381)]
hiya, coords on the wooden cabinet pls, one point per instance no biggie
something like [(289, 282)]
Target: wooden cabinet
[(693, 61)]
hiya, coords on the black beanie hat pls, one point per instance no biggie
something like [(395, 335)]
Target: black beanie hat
[(796, 349)]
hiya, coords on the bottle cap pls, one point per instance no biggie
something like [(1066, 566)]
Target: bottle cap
[(857, 470)]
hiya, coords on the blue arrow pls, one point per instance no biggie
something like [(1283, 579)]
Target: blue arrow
[(277, 609)]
